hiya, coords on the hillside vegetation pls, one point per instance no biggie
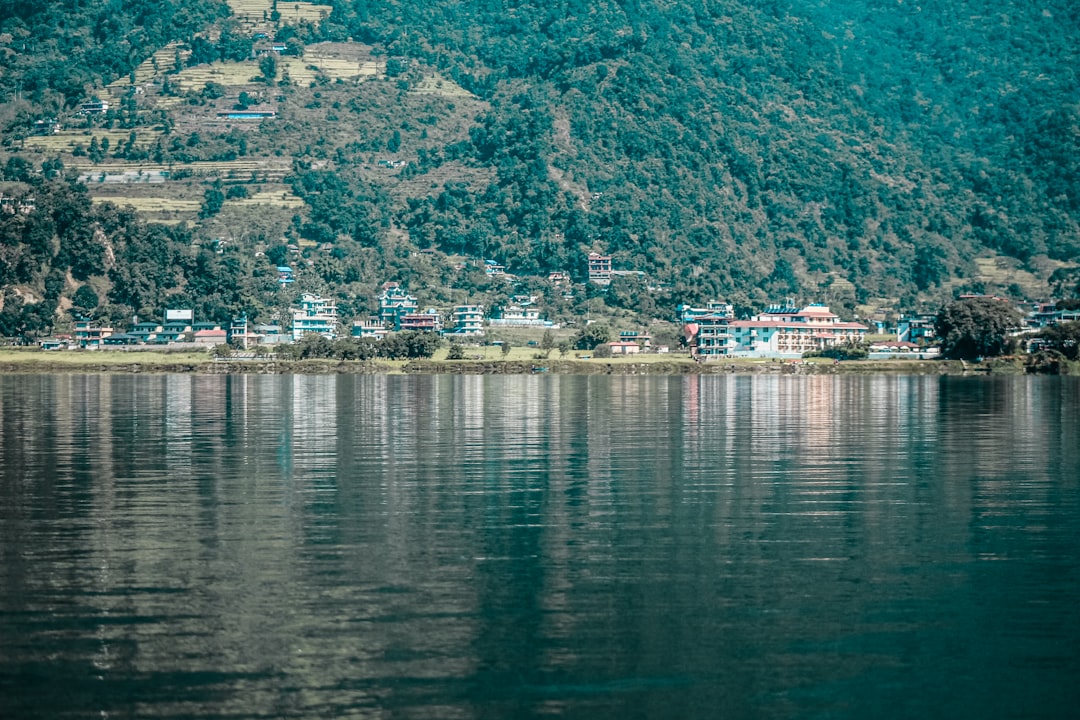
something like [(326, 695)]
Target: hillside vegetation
[(858, 153)]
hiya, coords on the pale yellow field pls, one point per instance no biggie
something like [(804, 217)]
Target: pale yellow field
[(269, 197), (154, 200), (237, 169), (303, 71), (66, 141), (229, 74), (1006, 271), (153, 204), (437, 85), (291, 12)]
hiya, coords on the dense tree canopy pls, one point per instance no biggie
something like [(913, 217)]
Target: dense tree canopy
[(841, 151), (970, 328)]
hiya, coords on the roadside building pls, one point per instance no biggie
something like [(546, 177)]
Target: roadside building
[(120, 340), (146, 332), (88, 335)]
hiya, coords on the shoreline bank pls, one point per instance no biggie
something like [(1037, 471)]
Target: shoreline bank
[(129, 363)]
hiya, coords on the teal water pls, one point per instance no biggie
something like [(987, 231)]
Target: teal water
[(519, 547)]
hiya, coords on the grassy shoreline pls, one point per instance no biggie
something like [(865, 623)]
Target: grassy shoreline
[(105, 361)]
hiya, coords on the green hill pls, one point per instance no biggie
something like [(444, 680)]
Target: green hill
[(846, 151)]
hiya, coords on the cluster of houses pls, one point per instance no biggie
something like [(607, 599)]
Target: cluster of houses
[(312, 314), (782, 331), (711, 332)]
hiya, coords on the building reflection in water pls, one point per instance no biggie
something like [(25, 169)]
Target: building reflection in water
[(345, 531)]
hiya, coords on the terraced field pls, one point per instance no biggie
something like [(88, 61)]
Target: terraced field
[(230, 74), (172, 204), (65, 141), (1004, 271), (300, 70), (254, 11), (245, 169), (435, 84), (156, 208), (164, 60), (278, 198), (303, 71)]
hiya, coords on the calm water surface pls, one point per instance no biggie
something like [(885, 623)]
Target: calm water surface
[(517, 547)]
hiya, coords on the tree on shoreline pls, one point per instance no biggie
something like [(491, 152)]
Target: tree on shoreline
[(970, 328)]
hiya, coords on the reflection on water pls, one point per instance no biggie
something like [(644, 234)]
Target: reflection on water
[(496, 547)]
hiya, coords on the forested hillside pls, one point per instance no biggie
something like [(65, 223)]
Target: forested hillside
[(850, 151)]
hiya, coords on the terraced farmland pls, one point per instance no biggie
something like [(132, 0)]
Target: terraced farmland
[(280, 197), (65, 141), (164, 60), (303, 71), (180, 202), (230, 74), (243, 169), (255, 11), (155, 208), (434, 84)]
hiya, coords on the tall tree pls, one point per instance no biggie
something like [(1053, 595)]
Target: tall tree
[(970, 328)]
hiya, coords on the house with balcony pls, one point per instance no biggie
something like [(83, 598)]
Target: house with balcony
[(599, 268), (689, 314), (468, 320), (371, 327), (316, 315), (709, 337), (915, 328), (94, 107), (638, 337), (518, 316), (783, 331), (427, 321), (240, 333), (394, 304), (90, 336)]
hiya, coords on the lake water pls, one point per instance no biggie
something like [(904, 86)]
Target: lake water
[(518, 547)]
